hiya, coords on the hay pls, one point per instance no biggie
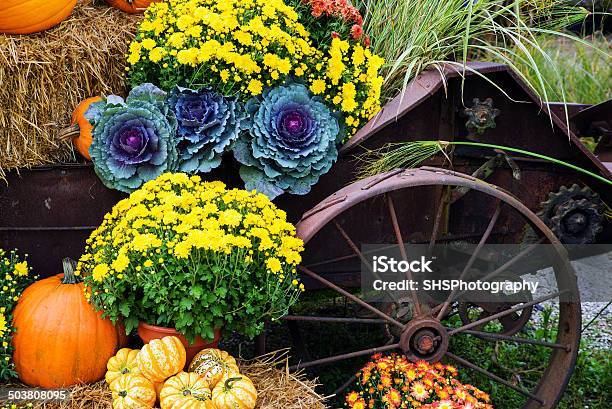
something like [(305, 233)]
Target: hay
[(44, 76), (96, 396), (276, 388)]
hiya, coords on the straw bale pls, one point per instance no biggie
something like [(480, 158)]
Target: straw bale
[(276, 388), (44, 76)]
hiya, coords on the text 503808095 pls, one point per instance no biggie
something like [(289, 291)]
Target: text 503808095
[(15, 395)]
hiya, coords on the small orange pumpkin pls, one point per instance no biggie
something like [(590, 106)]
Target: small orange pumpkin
[(234, 392), (132, 391), (213, 364), (60, 339), (186, 390), (80, 129), (161, 358), (32, 16), (131, 6)]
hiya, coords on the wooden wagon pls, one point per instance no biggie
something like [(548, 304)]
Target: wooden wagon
[(476, 197)]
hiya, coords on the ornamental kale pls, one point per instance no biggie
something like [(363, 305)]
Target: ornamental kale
[(290, 143), (207, 125), (133, 140)]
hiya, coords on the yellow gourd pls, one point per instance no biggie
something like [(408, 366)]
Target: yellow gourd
[(213, 364), (131, 391), (124, 362), (186, 391), (234, 392), (162, 358)]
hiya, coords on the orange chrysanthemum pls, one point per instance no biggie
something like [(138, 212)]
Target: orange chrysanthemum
[(393, 382), (419, 391), (360, 404)]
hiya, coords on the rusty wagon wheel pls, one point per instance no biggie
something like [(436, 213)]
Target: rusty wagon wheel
[(425, 205)]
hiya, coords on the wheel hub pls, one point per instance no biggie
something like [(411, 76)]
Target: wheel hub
[(424, 339), (575, 223)]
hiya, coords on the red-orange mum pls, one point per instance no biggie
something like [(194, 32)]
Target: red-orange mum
[(392, 382), (349, 18), (419, 391)]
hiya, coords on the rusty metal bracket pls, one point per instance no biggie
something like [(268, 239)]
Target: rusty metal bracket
[(480, 117), (487, 169)]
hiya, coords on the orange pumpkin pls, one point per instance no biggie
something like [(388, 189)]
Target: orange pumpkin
[(60, 340), (32, 16), (80, 129), (213, 364), (186, 390), (161, 358), (234, 392), (131, 6), (132, 391)]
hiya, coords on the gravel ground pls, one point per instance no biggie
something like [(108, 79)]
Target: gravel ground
[(595, 284)]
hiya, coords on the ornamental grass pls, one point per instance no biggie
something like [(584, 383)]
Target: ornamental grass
[(416, 35), (44, 76), (276, 388)]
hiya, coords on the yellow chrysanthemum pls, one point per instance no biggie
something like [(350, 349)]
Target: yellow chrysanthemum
[(21, 269), (274, 265), (100, 272), (3, 327)]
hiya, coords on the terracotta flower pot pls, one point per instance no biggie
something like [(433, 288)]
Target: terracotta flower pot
[(147, 332)]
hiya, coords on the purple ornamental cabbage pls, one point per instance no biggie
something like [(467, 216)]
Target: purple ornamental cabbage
[(133, 140), (208, 123), (291, 141)]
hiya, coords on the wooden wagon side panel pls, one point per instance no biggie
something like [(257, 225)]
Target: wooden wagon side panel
[(49, 212)]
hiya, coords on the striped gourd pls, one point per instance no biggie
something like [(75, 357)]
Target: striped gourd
[(161, 358), (213, 364)]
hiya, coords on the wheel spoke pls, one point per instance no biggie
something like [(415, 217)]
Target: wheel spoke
[(472, 259), (350, 296), (400, 243), (354, 377), (347, 320), (496, 272), (438, 220), (341, 357), (347, 257), (501, 337), (490, 375), (355, 249), (506, 312)]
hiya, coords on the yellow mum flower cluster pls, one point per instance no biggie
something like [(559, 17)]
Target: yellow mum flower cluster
[(14, 279), (237, 46), (348, 79), (193, 255), (176, 219)]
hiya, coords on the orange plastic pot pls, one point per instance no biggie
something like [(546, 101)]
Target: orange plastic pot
[(148, 332)]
